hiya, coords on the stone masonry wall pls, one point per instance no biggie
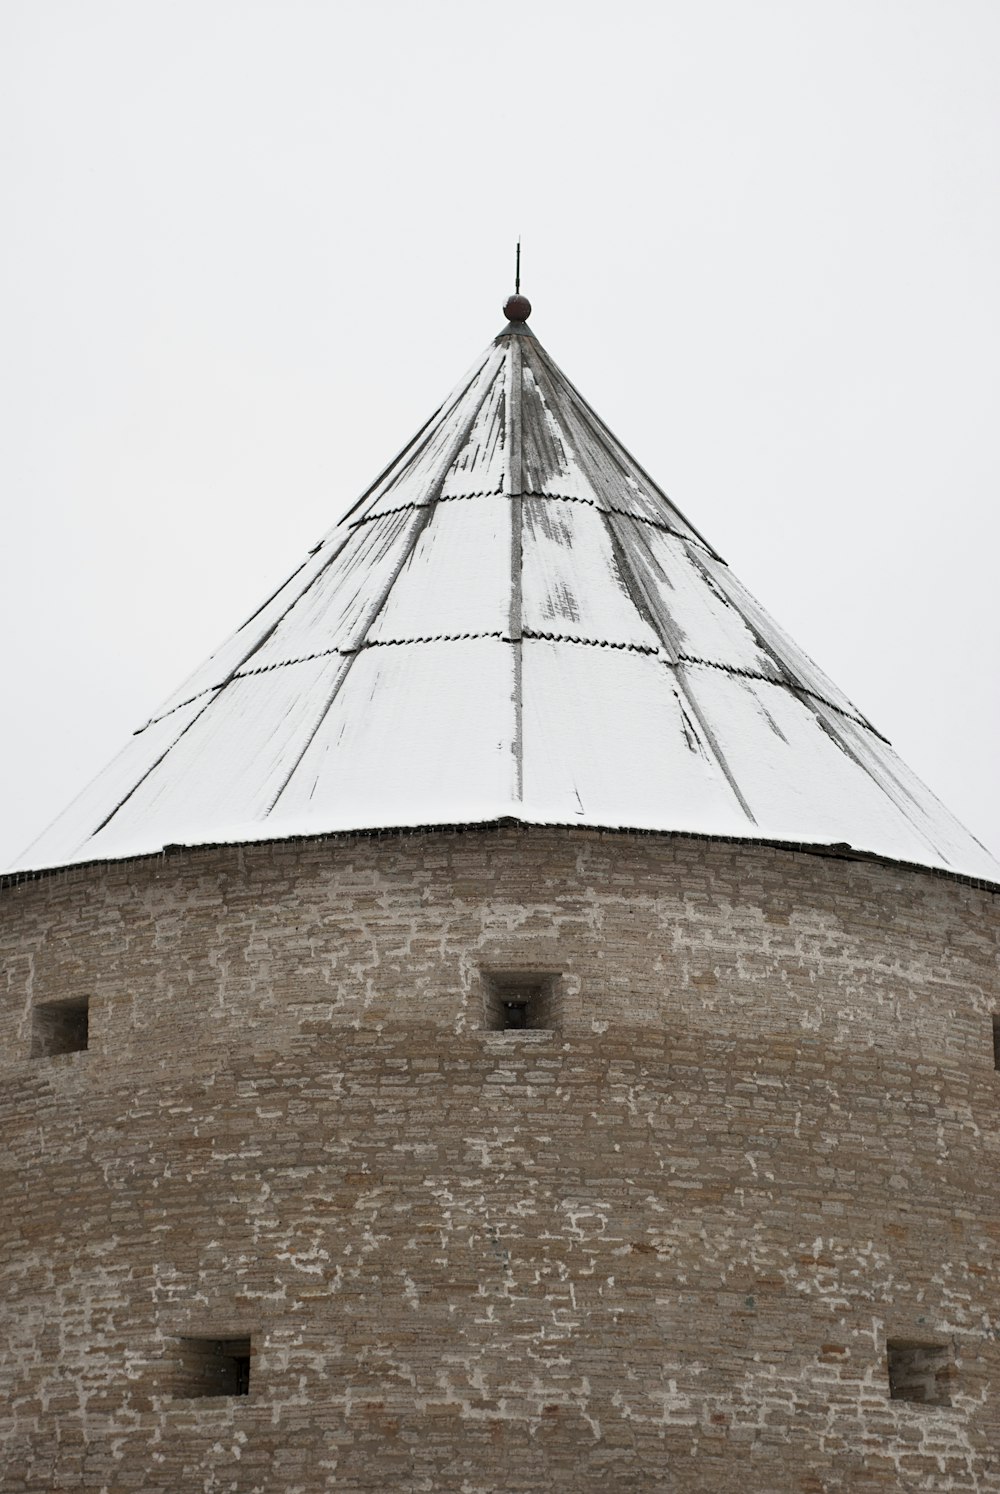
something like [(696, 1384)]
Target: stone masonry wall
[(663, 1247)]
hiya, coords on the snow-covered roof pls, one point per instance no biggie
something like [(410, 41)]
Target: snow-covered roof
[(513, 622)]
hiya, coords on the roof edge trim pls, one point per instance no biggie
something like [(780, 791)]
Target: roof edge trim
[(836, 851)]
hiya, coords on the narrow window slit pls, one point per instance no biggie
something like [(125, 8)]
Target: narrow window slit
[(996, 1042)]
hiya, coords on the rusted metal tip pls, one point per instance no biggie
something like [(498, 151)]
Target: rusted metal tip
[(517, 308)]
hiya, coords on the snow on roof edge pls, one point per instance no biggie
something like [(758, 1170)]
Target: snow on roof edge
[(831, 850)]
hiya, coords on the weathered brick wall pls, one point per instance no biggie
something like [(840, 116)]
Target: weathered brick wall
[(662, 1248)]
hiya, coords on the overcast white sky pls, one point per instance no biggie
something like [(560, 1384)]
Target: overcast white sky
[(248, 245)]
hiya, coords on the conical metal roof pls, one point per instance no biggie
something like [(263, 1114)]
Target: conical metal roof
[(513, 622)]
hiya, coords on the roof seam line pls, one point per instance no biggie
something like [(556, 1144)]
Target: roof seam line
[(154, 720), (535, 633), (624, 513), (444, 409), (796, 689), (663, 627), (497, 634), (260, 642), (605, 438), (634, 648)]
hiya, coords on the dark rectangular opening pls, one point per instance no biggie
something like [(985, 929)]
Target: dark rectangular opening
[(214, 1366), (921, 1372), (517, 1001), (514, 1014), (996, 1042), (60, 1027)]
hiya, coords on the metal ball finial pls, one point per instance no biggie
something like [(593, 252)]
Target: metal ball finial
[(517, 308)]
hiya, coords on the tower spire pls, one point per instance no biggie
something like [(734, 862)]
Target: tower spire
[(517, 308)]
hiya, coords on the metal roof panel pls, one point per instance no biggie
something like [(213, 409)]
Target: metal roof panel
[(571, 582), (457, 576), (419, 733)]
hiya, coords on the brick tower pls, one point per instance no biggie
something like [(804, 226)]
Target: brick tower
[(507, 1023)]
